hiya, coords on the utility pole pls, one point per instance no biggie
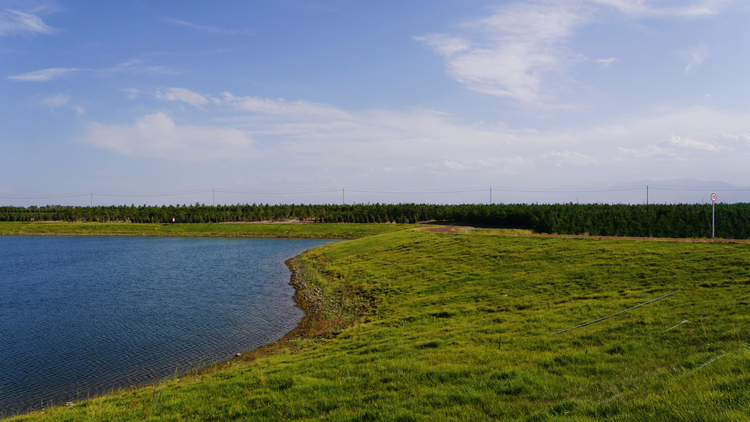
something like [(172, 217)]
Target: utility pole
[(713, 215), (92, 200), (646, 194), (214, 191), (490, 195), (343, 196)]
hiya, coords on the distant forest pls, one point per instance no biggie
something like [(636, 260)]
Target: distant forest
[(681, 220)]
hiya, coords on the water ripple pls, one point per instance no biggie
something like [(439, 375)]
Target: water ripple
[(80, 316)]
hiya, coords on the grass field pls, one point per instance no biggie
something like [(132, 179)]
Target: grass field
[(457, 327), (318, 230)]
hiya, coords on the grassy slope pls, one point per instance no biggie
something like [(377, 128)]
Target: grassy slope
[(442, 341), (349, 231)]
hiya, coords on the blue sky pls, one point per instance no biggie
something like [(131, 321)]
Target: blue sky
[(291, 101)]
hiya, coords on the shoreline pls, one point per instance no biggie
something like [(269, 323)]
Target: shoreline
[(248, 236), (307, 299)]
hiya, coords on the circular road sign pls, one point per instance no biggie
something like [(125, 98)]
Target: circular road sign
[(713, 197)]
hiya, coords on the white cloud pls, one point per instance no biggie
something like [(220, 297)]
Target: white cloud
[(60, 100), (695, 56), (182, 94), (736, 137), (157, 136), (573, 158), (132, 93), (15, 22), (520, 52), (280, 106), (133, 66), (203, 28), (513, 51), (445, 45), (648, 151), (507, 165), (433, 146), (45, 74), (652, 9), (607, 62), (55, 101), (690, 143), (136, 67)]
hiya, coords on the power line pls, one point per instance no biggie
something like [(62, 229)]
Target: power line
[(701, 189), (296, 192), (413, 192), (45, 196), (190, 192), (370, 191)]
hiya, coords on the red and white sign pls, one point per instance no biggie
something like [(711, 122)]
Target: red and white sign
[(713, 197)]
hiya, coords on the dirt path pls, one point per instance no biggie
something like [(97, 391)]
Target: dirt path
[(451, 228)]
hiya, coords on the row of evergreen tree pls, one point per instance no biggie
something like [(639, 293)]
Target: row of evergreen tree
[(681, 220)]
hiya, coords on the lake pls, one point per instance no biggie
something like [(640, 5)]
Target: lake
[(83, 315)]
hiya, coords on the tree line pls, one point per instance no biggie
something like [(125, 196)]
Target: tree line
[(679, 220)]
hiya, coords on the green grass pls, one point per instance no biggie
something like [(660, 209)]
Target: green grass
[(457, 328), (318, 230)]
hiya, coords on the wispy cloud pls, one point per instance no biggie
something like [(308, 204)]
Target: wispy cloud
[(652, 9), (428, 144), (690, 143), (695, 56), (157, 136), (133, 67), (647, 151), (521, 51), (16, 22), (204, 28), (507, 165), (281, 106), (736, 137), (132, 93), (45, 74), (315, 5), (55, 101), (572, 158), (510, 53), (182, 94)]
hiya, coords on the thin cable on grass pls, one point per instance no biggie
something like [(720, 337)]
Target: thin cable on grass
[(617, 396), (157, 398), (615, 314), (683, 322), (712, 360)]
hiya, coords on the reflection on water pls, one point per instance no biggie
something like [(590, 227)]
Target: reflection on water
[(84, 315)]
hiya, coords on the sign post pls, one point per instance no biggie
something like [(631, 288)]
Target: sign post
[(713, 215)]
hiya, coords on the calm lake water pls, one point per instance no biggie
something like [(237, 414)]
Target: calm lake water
[(84, 315)]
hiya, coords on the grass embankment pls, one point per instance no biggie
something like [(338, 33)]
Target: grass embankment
[(458, 328), (317, 230)]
